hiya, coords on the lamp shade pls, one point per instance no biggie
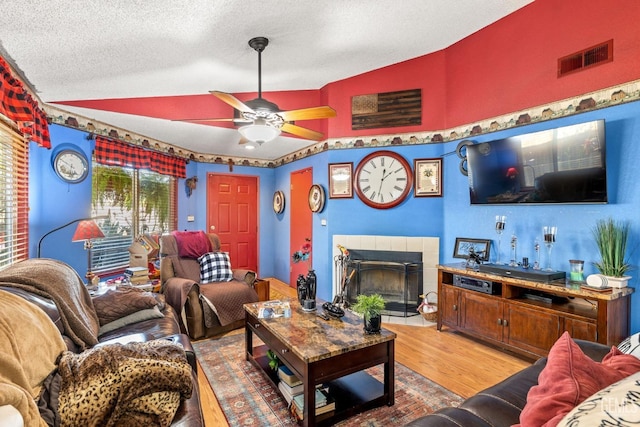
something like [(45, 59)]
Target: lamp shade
[(86, 230), (259, 131)]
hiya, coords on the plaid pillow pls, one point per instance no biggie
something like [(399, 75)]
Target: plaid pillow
[(215, 267)]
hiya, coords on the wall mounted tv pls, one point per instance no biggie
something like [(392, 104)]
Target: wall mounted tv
[(561, 165)]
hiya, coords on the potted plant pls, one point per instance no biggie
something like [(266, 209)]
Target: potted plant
[(611, 238), (370, 308)]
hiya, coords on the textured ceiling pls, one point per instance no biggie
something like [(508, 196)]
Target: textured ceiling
[(97, 50)]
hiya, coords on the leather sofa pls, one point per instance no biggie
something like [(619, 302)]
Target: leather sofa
[(501, 404), (180, 278), (189, 413)]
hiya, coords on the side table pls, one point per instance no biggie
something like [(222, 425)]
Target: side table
[(262, 289)]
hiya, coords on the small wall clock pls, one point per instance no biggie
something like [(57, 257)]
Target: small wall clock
[(278, 202), (383, 179), (316, 198), (70, 164)]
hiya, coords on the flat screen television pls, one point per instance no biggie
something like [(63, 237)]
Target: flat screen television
[(561, 165)]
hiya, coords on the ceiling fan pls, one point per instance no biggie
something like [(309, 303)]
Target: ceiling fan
[(264, 119)]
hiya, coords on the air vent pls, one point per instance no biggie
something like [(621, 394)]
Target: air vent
[(587, 58)]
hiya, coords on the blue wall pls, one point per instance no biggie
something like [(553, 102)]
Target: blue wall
[(54, 203)]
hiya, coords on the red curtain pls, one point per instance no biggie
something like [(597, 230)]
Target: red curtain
[(18, 105), (113, 153)]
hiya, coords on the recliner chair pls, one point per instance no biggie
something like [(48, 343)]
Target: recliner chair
[(206, 309)]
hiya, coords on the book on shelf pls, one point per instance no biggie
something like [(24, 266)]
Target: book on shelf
[(273, 308), (287, 392), (324, 403), (285, 374), (291, 391)]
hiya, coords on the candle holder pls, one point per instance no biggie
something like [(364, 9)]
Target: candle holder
[(536, 248), (549, 235), (500, 224), (514, 251)]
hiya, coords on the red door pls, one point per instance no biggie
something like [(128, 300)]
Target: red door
[(301, 220), (232, 213)]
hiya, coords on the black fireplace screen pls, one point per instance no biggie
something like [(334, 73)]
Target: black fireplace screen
[(396, 276)]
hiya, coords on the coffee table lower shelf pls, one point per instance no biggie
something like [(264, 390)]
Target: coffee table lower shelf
[(353, 393)]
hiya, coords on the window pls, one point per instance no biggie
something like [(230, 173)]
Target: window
[(14, 194), (132, 202)]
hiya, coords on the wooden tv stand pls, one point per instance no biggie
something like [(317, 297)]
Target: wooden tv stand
[(528, 317)]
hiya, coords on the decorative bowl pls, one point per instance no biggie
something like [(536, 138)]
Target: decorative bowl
[(333, 310)]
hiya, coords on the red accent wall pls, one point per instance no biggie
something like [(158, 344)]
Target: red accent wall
[(505, 67)]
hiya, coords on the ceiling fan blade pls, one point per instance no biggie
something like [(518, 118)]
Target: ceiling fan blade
[(207, 120), (308, 113), (232, 100), (302, 132)]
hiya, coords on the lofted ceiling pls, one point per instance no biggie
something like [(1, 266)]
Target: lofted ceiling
[(139, 64)]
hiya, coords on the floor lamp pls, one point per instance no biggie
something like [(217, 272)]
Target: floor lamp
[(86, 231)]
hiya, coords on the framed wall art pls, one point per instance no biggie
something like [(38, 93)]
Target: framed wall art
[(340, 180), (480, 246), (428, 177)]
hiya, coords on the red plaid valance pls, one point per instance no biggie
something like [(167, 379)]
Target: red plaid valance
[(113, 153), (18, 105)]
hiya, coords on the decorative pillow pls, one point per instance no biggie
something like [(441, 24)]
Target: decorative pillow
[(569, 378), (138, 316), (616, 405), (117, 303), (192, 244), (215, 267), (631, 345)]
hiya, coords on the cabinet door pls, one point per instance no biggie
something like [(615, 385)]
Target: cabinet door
[(482, 314), (581, 330), (531, 329), (449, 303)]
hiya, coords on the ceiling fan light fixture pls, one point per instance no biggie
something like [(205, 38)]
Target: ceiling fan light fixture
[(259, 132)]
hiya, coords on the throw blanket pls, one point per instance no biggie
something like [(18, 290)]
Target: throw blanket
[(136, 384), (59, 282), (222, 300), (192, 244), (30, 344)]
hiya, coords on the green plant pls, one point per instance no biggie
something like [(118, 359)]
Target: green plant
[(611, 238), (369, 305), (274, 362)]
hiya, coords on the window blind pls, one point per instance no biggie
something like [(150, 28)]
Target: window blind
[(14, 195)]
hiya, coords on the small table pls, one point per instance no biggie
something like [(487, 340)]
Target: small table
[(332, 352)]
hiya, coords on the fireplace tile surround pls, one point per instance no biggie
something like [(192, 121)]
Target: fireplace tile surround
[(428, 246)]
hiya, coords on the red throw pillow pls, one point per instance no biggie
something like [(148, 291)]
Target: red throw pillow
[(192, 244), (569, 378)]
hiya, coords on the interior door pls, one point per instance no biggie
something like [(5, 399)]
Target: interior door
[(232, 213), (301, 220)]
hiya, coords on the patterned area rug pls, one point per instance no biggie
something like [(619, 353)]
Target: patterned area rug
[(248, 398)]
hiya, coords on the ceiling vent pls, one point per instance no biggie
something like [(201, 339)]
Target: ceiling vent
[(586, 58)]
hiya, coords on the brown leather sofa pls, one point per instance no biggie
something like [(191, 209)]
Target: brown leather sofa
[(190, 412), (501, 404), (180, 277)]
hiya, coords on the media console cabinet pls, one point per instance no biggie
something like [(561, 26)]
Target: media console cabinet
[(525, 316)]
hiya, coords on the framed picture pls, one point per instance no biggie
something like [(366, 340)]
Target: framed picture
[(464, 245), (340, 180), (428, 177)]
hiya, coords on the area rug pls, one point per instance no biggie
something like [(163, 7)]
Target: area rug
[(248, 398)]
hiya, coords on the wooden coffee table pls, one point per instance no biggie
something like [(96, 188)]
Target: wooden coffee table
[(331, 352)]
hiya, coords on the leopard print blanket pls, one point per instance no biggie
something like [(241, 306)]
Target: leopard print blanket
[(136, 384)]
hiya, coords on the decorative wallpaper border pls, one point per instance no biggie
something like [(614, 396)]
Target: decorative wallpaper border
[(623, 93)]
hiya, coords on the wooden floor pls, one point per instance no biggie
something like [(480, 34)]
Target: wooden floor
[(457, 363)]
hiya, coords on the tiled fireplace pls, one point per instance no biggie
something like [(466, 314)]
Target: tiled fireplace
[(393, 274)]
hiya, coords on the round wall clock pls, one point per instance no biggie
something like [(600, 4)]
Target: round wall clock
[(316, 198), (278, 202), (71, 165), (383, 179)]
